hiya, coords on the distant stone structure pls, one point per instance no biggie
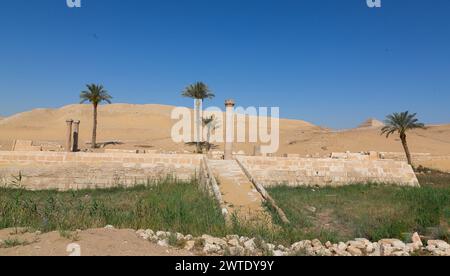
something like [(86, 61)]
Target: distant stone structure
[(371, 123), (76, 135), (69, 135), (72, 135)]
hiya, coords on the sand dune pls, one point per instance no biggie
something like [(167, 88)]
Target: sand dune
[(150, 126)]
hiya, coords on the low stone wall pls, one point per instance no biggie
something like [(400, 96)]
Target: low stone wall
[(328, 172), (64, 171)]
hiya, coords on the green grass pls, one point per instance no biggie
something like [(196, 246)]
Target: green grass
[(369, 211), (10, 243), (171, 206)]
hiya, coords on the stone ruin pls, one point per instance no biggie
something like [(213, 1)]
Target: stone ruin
[(74, 170)]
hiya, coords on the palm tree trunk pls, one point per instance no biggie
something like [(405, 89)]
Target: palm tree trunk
[(199, 124), (94, 129), (406, 148)]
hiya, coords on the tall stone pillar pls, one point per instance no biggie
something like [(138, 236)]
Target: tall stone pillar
[(69, 135), (76, 134), (229, 129)]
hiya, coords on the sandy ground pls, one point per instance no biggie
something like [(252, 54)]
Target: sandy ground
[(94, 242), (149, 127)]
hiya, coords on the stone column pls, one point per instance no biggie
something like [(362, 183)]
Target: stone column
[(76, 134), (69, 135), (229, 129)]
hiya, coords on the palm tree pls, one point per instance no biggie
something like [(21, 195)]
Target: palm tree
[(211, 124), (95, 94), (402, 123), (198, 91)]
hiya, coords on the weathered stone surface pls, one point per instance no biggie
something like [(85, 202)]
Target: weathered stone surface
[(273, 171), (214, 241), (354, 251), (189, 245)]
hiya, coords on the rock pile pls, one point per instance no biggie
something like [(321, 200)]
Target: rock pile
[(233, 245)]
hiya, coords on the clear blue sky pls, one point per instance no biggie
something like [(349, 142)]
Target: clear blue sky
[(330, 62)]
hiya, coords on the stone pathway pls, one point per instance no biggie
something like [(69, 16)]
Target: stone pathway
[(238, 193)]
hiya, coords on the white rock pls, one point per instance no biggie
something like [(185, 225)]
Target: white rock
[(233, 242), (270, 246), (316, 243), (369, 248), (161, 234), (149, 232), (215, 241), (250, 245), (354, 251), (109, 227), (442, 245), (236, 250), (386, 249), (416, 240), (188, 237), (180, 236), (211, 248), (279, 253), (342, 246), (189, 245), (243, 239), (163, 243), (357, 244), (394, 243), (300, 245), (400, 254), (341, 252)]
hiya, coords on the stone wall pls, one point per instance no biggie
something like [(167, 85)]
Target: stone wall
[(328, 172), (64, 171)]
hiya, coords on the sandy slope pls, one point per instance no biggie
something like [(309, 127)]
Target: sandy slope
[(149, 126)]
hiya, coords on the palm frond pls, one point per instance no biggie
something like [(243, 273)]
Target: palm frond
[(401, 123), (95, 94), (199, 91)]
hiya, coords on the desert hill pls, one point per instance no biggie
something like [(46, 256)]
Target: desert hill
[(149, 126)]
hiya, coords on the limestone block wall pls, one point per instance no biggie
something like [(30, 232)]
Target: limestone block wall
[(64, 171), (328, 172)]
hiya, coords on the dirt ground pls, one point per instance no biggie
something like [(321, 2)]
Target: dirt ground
[(94, 242)]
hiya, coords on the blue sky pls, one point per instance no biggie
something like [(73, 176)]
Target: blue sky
[(333, 63)]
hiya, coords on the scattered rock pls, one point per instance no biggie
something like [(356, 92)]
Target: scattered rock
[(214, 241), (236, 250), (416, 240), (190, 245), (233, 242), (279, 253), (250, 245), (354, 251), (442, 245), (211, 248), (163, 243)]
